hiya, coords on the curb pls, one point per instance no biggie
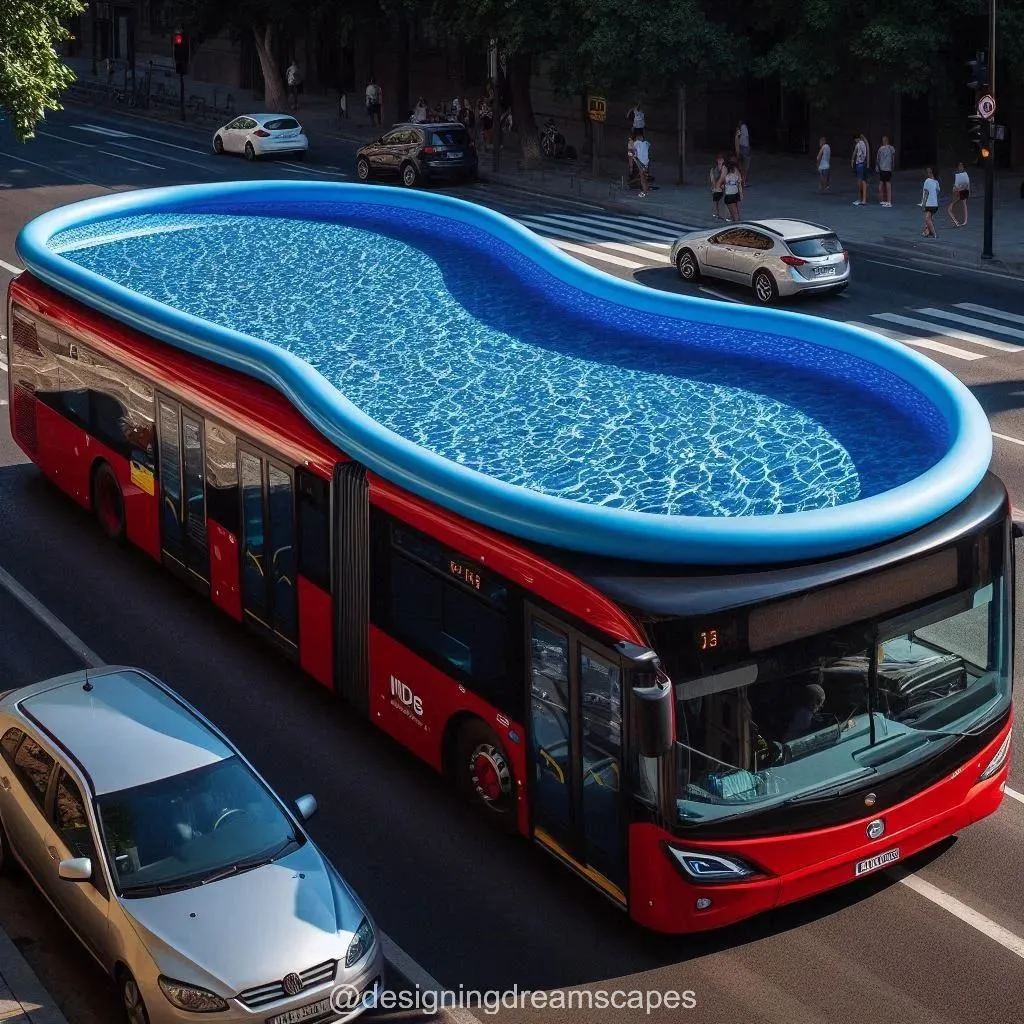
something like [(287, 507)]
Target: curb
[(22, 996)]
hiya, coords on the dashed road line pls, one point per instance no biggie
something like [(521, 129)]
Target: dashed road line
[(10, 267)]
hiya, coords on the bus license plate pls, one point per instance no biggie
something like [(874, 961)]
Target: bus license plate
[(878, 861), (310, 1012)]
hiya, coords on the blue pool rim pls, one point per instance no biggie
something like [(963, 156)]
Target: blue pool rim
[(693, 540)]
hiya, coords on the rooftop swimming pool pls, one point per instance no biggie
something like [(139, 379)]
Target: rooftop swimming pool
[(458, 355)]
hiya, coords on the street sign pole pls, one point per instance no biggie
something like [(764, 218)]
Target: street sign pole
[(990, 163)]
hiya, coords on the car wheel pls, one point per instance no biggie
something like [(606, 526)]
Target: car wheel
[(108, 502), (410, 176), (218, 145), (484, 773), (686, 264), (765, 290), (134, 1006), (363, 169), (250, 153)]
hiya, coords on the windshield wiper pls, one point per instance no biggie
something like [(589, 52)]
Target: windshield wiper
[(250, 865), (829, 790), (154, 889)]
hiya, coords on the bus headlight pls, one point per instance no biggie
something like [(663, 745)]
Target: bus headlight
[(710, 867), (998, 760)]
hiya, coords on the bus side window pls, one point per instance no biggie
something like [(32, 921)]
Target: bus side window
[(222, 477), (313, 504)]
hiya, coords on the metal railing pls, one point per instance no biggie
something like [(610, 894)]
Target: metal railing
[(161, 98)]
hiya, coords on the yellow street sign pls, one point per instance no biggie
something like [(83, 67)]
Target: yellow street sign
[(596, 108)]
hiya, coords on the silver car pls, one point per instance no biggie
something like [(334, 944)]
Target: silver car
[(774, 257), (173, 862)]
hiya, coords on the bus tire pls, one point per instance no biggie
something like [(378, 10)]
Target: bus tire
[(484, 773), (108, 501)]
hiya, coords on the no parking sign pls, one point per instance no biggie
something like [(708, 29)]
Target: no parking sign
[(986, 106)]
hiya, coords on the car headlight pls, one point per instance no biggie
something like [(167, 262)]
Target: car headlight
[(190, 997), (998, 760), (360, 944), (710, 867)]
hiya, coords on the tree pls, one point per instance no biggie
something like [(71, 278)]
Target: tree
[(32, 74)]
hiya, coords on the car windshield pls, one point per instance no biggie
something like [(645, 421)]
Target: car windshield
[(192, 828), (449, 137), (820, 245), (842, 710), (281, 124)]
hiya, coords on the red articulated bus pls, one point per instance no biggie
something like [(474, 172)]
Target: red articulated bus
[(699, 745)]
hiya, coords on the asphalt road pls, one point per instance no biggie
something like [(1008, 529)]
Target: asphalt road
[(475, 909)]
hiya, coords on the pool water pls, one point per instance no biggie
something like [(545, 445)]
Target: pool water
[(466, 347)]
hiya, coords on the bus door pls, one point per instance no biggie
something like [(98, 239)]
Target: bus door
[(576, 737), (180, 451), (269, 599)]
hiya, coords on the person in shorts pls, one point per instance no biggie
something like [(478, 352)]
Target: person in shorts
[(824, 159), (859, 163), (930, 202), (732, 186), (961, 193), (716, 179), (642, 155), (374, 98), (885, 159)]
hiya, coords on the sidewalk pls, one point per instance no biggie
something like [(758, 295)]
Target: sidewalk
[(23, 1000), (780, 185)]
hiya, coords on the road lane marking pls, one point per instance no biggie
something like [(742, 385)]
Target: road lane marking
[(596, 254), (167, 156), (10, 268), (102, 131), (1013, 794), (996, 932), (719, 295), (55, 170), (407, 966), (909, 339), (132, 159), (899, 266), (1006, 437), (946, 332), (972, 321), (1001, 314)]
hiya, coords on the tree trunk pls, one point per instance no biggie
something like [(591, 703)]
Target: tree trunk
[(519, 69), (274, 97)]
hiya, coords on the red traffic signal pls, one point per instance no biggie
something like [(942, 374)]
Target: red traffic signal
[(178, 39)]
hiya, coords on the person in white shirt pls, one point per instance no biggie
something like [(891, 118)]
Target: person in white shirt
[(930, 202), (636, 117), (885, 160), (642, 155), (374, 99), (824, 159), (961, 193)]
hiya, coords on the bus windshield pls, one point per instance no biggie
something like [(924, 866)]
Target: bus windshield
[(841, 710)]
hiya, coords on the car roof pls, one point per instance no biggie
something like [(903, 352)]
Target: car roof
[(791, 230), (123, 728), (428, 124)]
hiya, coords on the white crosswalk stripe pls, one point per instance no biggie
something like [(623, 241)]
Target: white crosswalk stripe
[(936, 330), (925, 343)]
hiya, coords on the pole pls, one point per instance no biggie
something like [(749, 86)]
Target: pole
[(681, 132), (496, 113), (990, 163), (181, 95)]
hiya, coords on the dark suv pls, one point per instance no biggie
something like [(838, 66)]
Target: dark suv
[(419, 152)]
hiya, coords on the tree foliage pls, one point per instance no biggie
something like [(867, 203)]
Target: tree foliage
[(32, 74)]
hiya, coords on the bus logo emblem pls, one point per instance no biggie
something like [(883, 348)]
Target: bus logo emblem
[(876, 829)]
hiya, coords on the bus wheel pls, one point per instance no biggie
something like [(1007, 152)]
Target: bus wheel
[(485, 775), (108, 501)]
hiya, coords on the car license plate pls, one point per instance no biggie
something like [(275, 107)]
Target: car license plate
[(311, 1011), (454, 156), (880, 860), (824, 271)]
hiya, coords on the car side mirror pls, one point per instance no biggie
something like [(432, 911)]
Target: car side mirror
[(306, 806), (75, 869)]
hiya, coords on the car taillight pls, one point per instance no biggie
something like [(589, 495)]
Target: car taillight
[(793, 261), (261, 133), (429, 150)]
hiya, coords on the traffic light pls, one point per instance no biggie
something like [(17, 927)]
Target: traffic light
[(978, 72), (980, 138), (181, 48)]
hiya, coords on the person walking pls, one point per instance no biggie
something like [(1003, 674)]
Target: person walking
[(374, 100), (930, 202), (824, 159), (859, 163), (636, 117), (961, 193), (742, 145), (732, 186), (293, 77), (716, 179), (885, 160), (642, 155)]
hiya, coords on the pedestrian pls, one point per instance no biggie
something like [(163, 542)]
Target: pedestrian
[(716, 179), (885, 160), (342, 104), (732, 187), (961, 193), (859, 163), (824, 159), (419, 114), (374, 99), (294, 79), (930, 202), (742, 146), (642, 155), (636, 117)]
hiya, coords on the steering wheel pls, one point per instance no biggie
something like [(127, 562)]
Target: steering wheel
[(224, 815)]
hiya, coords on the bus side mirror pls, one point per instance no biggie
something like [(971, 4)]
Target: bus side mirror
[(652, 713)]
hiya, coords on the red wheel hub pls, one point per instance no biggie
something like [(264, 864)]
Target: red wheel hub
[(487, 776)]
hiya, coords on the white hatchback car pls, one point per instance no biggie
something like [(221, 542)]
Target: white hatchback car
[(173, 862), (256, 135)]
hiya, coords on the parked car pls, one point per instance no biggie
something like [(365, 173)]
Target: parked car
[(257, 135), (172, 861), (774, 257), (420, 152)]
